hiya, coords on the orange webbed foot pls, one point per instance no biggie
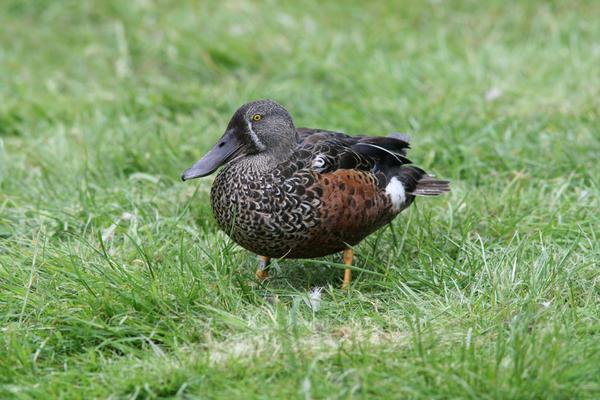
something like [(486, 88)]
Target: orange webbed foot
[(261, 272)]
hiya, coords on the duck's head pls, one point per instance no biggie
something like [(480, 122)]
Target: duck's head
[(259, 127)]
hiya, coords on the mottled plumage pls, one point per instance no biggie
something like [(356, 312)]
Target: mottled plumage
[(300, 193)]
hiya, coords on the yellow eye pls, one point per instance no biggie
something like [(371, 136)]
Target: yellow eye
[(256, 117)]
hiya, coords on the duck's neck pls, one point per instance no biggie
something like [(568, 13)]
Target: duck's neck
[(264, 161)]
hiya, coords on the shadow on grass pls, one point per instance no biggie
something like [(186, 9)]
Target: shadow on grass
[(302, 275)]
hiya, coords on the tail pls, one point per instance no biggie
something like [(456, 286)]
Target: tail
[(417, 182), (428, 186), (403, 184)]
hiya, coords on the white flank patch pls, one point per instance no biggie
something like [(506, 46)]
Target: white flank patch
[(395, 189)]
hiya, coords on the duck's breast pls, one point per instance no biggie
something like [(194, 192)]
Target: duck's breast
[(268, 214)]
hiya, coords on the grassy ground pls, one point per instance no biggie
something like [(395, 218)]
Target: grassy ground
[(115, 282)]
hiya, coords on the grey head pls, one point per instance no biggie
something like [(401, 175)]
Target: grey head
[(259, 128)]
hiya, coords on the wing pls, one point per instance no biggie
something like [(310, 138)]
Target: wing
[(328, 151), (383, 156)]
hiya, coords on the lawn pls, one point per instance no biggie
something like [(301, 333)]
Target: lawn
[(116, 282)]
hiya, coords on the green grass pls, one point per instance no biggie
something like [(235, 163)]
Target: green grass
[(490, 292)]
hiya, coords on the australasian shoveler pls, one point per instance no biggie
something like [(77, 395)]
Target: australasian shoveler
[(301, 193)]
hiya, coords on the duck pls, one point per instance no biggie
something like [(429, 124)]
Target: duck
[(285, 193)]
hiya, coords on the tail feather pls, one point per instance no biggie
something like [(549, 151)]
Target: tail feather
[(417, 182), (428, 186)]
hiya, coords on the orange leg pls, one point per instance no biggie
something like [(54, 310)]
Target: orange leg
[(261, 271), (347, 255)]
